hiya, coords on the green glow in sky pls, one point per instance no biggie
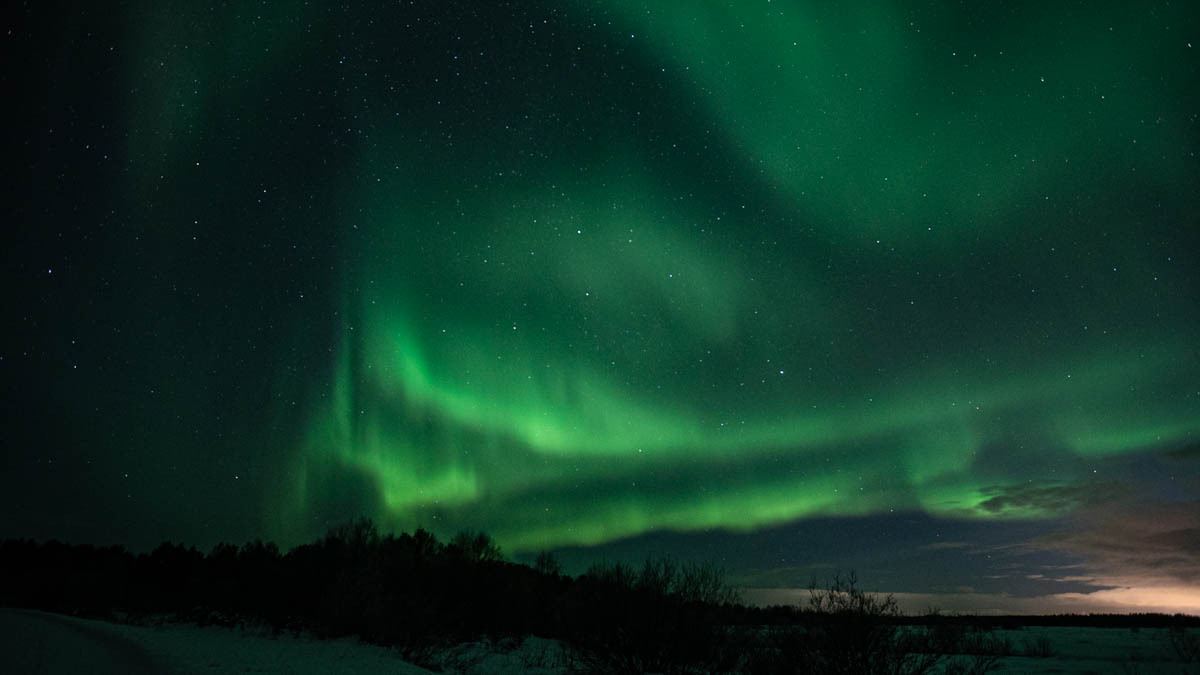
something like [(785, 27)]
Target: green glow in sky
[(816, 263), (581, 272)]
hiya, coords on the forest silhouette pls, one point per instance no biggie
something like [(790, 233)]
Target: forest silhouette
[(419, 594)]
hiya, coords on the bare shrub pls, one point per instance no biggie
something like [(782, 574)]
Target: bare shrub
[(705, 583), (547, 564), (475, 547), (663, 619), (848, 630)]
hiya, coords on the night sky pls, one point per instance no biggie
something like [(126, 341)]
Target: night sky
[(911, 288)]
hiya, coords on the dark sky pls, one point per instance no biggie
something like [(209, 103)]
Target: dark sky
[(908, 287)]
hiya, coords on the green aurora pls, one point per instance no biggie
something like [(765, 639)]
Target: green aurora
[(821, 268), (578, 273)]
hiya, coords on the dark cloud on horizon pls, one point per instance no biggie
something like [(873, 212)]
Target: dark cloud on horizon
[(1186, 453), (1135, 540)]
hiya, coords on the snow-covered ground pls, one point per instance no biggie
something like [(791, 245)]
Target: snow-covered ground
[(38, 642), (533, 656), (35, 642), (1120, 651)]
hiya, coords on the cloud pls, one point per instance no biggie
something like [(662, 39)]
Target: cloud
[(1184, 454), (1139, 557), (945, 546), (1137, 598), (1140, 542), (1125, 599), (1038, 497)]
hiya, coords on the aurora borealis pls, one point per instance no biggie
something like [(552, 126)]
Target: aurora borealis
[(902, 286)]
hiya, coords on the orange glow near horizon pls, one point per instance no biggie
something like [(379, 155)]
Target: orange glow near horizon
[(1166, 599), (1175, 599)]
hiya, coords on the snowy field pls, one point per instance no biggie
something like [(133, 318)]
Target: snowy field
[(36, 642), (1120, 651)]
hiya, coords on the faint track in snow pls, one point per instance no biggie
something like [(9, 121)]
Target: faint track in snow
[(39, 642)]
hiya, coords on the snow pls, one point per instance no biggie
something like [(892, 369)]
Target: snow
[(214, 649), (58, 644), (38, 642), (534, 656), (35, 642), (1094, 650)]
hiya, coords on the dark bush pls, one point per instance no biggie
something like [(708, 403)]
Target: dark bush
[(547, 564)]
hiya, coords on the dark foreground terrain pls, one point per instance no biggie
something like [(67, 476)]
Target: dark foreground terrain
[(423, 600)]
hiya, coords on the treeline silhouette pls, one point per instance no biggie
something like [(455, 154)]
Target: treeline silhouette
[(409, 590), (417, 593)]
